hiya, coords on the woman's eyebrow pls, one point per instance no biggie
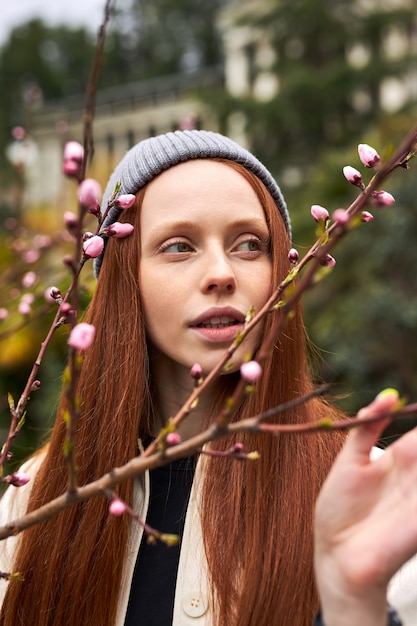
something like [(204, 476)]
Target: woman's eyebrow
[(174, 225), (249, 222)]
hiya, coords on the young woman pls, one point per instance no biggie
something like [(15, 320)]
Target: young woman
[(211, 240)]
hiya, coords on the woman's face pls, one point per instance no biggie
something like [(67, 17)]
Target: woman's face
[(204, 262)]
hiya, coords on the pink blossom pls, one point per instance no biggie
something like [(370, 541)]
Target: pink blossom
[(4, 313), (67, 312), (251, 371), (18, 133), (93, 246), (293, 255), (117, 507), (71, 168), (238, 447), (10, 223), (328, 261), (368, 155), (70, 219), (340, 216), (82, 336), (18, 479), (89, 193), (172, 439), (382, 198), (28, 297), (29, 279), (73, 151), (366, 216), (352, 175), (196, 371), (119, 230), (73, 158), (54, 294), (42, 241), (125, 200), (31, 256), (189, 122), (24, 307), (319, 213)]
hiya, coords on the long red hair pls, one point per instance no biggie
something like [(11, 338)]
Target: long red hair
[(258, 538)]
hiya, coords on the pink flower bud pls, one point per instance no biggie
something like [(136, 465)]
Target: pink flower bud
[(71, 168), (18, 133), (29, 279), (172, 439), (24, 308), (18, 479), (4, 314), (70, 220), (340, 216), (29, 298), (117, 507), (67, 313), (93, 246), (55, 293), (319, 213), (82, 336), (366, 216), (31, 256), (382, 198), (35, 385), (73, 151), (125, 200), (196, 371), (238, 447), (293, 256), (119, 230), (328, 261), (250, 371), (368, 155), (89, 193), (352, 175)]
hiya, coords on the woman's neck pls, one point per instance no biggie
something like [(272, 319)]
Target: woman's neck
[(173, 385)]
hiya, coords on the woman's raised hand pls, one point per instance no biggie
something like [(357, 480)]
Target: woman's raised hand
[(366, 521)]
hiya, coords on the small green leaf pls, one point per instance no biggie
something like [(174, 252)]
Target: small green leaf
[(325, 423), (169, 540), (249, 314), (21, 422), (11, 402), (67, 447), (239, 339)]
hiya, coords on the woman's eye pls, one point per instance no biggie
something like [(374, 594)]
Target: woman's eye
[(251, 245), (177, 247)]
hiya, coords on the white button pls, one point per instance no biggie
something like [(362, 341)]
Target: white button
[(194, 603)]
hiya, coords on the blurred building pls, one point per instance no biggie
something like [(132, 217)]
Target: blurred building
[(127, 114), (123, 116)]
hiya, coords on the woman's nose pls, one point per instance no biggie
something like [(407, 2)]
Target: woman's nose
[(218, 274)]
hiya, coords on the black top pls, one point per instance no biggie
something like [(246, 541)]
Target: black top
[(151, 600)]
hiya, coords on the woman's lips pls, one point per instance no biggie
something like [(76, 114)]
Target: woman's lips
[(218, 333), (219, 324)]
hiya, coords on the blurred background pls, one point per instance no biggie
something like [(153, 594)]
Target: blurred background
[(299, 82)]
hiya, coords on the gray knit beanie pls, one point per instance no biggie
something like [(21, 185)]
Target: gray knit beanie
[(152, 156)]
